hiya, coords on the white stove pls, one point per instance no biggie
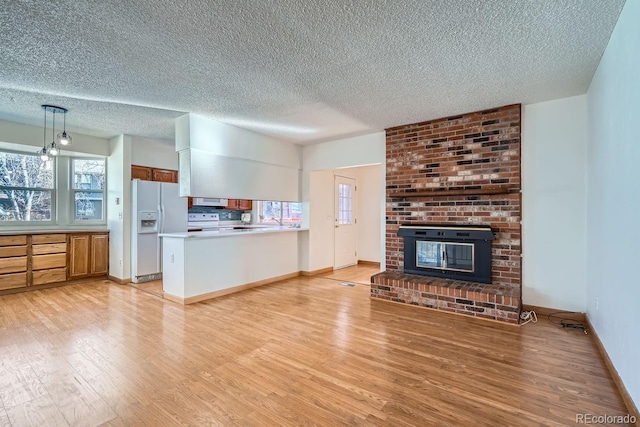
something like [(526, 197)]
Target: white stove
[(203, 221)]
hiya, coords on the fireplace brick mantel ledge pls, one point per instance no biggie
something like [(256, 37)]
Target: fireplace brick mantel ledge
[(494, 301)]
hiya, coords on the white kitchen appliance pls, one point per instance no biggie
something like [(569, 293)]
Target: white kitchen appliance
[(157, 208), (204, 221), (210, 201)]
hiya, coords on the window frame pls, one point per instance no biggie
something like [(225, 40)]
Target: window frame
[(73, 191), (260, 216), (53, 193)]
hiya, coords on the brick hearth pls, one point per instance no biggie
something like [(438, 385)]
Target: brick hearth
[(462, 170)]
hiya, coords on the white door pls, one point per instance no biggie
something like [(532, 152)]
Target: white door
[(345, 222)]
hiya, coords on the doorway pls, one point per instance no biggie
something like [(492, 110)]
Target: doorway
[(345, 230)]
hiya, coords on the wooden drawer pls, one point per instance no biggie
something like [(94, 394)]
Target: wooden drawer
[(13, 240), (49, 276), (9, 251), (12, 281), (13, 265), (43, 262), (37, 239), (52, 248)]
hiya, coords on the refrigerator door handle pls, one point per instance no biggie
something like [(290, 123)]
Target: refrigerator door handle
[(160, 219)]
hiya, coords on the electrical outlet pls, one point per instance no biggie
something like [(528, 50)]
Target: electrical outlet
[(597, 303), (172, 258), (120, 263)]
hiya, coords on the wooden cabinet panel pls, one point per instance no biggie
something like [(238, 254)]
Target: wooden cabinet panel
[(239, 204), (9, 251), (54, 275), (40, 259), (140, 172), (37, 239), (12, 281), (100, 254), (13, 240), (153, 174), (245, 205), (79, 255), (43, 262), (164, 175), (53, 248), (13, 265), (88, 255)]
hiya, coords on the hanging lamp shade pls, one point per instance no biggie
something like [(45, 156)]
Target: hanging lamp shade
[(63, 138)]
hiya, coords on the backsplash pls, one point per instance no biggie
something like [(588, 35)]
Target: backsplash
[(225, 214)]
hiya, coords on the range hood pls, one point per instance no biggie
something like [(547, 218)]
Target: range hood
[(210, 201)]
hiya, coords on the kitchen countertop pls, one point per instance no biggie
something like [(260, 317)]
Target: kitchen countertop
[(231, 232), (53, 231)]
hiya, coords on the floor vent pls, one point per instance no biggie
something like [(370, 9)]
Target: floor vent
[(346, 284)]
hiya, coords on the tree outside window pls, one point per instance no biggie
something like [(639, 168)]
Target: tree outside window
[(88, 179), (271, 212), (26, 188)]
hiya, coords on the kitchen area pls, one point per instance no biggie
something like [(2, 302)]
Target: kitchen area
[(188, 249)]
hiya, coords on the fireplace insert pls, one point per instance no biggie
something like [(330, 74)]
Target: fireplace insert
[(452, 252)]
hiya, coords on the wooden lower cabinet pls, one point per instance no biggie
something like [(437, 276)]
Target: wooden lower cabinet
[(13, 262), (99, 254), (31, 260), (48, 258), (88, 255)]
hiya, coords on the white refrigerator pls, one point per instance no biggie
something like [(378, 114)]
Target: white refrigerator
[(157, 208)]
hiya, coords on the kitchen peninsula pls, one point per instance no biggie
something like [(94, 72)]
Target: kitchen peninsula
[(207, 264)]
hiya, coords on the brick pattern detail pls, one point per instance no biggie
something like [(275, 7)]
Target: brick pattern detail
[(478, 150), (496, 302)]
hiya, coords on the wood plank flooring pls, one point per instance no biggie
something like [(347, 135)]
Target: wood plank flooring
[(305, 351)]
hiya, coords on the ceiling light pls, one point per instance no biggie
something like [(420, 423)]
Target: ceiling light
[(63, 138)]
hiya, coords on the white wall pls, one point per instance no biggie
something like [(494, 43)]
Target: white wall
[(369, 215), (220, 160), (157, 153), (119, 206), (321, 220), (554, 150), (27, 138), (613, 198), (320, 162)]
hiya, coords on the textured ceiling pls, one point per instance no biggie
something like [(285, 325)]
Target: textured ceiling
[(303, 71)]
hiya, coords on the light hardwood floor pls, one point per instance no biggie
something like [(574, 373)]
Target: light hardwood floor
[(305, 351)]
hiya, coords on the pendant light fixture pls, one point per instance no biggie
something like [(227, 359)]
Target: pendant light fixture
[(63, 138)]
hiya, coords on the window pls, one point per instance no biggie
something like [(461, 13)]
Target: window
[(345, 197), (270, 212), (87, 188), (26, 188)]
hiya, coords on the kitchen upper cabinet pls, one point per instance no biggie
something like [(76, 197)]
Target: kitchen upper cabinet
[(141, 172), (147, 173), (164, 175), (88, 255), (239, 204)]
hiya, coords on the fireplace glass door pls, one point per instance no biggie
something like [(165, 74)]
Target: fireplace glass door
[(445, 256)]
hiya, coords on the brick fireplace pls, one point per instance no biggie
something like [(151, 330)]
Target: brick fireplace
[(456, 171)]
